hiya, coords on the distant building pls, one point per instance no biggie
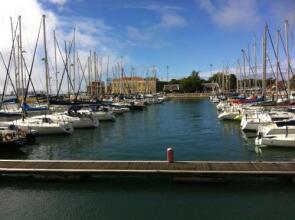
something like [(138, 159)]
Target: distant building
[(210, 87), (96, 88), (133, 85), (171, 88)]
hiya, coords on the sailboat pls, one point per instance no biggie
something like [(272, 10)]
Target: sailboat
[(76, 119), (100, 115)]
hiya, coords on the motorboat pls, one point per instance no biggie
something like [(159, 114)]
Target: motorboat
[(251, 122), (230, 113), (279, 140)]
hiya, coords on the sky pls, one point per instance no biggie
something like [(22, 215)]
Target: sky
[(185, 35)]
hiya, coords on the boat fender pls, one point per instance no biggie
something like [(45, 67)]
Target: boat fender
[(8, 137), (23, 133), (72, 112)]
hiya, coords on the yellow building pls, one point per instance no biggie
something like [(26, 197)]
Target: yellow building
[(97, 88), (133, 85)]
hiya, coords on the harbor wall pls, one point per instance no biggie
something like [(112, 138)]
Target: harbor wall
[(187, 95)]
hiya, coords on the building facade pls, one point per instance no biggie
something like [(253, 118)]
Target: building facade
[(133, 85), (97, 88), (171, 88)]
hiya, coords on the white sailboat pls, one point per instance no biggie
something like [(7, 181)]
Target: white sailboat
[(100, 115), (78, 121), (44, 125)]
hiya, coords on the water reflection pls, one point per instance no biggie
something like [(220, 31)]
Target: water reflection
[(15, 153)]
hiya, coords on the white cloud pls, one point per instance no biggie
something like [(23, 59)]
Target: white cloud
[(150, 35), (58, 2), (90, 35), (232, 13), (172, 20)]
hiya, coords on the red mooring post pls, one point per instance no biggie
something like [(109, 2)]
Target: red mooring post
[(170, 155)]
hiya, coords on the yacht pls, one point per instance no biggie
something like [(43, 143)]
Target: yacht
[(44, 125)]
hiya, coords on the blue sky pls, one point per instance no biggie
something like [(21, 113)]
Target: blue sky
[(184, 34)]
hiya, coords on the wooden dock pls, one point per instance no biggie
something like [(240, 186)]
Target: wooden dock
[(175, 169)]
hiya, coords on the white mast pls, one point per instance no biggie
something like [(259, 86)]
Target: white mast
[(288, 55), (244, 70), (14, 59), (264, 45), (21, 54), (277, 63), (107, 76), (255, 64), (46, 60), (55, 62)]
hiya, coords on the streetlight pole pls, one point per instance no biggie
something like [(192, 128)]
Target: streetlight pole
[(167, 71)]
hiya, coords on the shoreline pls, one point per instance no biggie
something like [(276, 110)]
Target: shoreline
[(187, 95)]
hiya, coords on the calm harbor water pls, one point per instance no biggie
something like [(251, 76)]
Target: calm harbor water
[(192, 129)]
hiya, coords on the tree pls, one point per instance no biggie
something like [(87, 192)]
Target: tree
[(160, 85), (192, 83), (228, 80), (174, 81)]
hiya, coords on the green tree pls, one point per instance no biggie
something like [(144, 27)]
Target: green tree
[(160, 85), (229, 80), (192, 83)]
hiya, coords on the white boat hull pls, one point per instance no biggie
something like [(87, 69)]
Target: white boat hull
[(104, 116), (280, 141), (50, 130), (86, 123), (228, 115)]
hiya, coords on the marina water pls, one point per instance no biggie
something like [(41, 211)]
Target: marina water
[(191, 127)]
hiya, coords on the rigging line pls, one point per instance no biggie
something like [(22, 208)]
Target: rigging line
[(33, 61), (7, 70), (271, 66), (65, 63), (288, 62), (276, 56), (83, 74), (248, 61), (27, 71)]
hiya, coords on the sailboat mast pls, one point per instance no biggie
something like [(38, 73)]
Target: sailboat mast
[(67, 65), (20, 52), (74, 62), (55, 62), (277, 63), (238, 70), (249, 69), (287, 54), (14, 59), (244, 71), (255, 64), (100, 76), (107, 76), (46, 60), (95, 67), (264, 49)]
